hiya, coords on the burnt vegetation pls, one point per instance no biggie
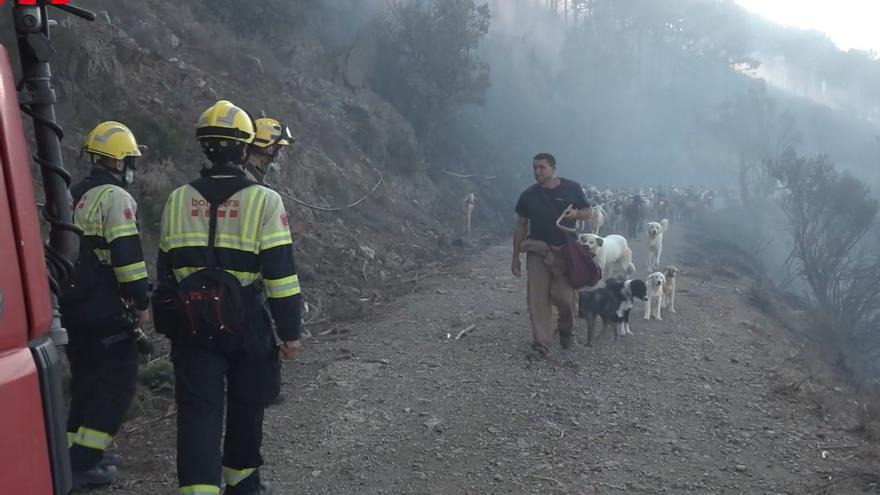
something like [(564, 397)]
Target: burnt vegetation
[(830, 216)]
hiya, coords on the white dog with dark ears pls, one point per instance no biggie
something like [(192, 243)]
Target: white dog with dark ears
[(608, 251), (655, 284), (655, 242), (669, 288)]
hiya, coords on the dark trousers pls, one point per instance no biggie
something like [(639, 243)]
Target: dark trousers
[(200, 395), (102, 386)]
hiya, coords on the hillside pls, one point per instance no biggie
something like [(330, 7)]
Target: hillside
[(156, 65)]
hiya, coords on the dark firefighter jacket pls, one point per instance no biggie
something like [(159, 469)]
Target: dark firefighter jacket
[(252, 242), (111, 265)]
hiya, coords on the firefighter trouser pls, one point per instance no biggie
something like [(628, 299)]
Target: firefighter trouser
[(102, 385), (199, 390)]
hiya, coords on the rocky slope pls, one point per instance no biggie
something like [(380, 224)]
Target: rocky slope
[(155, 65)]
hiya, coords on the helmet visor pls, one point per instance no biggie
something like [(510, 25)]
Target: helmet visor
[(130, 162)]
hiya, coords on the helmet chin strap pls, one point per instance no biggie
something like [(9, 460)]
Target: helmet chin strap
[(125, 176), (257, 171)]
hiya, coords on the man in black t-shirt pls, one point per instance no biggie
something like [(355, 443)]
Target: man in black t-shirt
[(537, 235)]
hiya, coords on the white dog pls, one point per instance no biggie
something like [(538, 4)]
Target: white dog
[(669, 287), (655, 284), (608, 251), (655, 242)]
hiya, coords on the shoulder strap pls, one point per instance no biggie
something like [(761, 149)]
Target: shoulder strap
[(215, 196)]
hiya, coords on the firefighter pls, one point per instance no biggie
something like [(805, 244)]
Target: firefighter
[(102, 303), (270, 138), (219, 234)]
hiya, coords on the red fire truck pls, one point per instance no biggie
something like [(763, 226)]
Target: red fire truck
[(33, 440)]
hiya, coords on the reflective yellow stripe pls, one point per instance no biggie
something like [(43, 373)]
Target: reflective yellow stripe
[(71, 436), (92, 439), (269, 241), (256, 200), (282, 287), (131, 273), (200, 239), (244, 278), (96, 203), (236, 476), (181, 210), (193, 239), (179, 213), (90, 228), (124, 230), (200, 490)]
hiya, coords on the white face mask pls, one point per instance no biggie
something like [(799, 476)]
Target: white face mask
[(273, 174), (128, 177)]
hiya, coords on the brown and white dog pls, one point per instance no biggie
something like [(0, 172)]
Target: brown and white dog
[(655, 282), (669, 287), (655, 242)]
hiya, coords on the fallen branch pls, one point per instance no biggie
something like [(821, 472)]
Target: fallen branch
[(418, 277), (467, 176), (611, 485), (824, 488), (383, 362), (833, 447), (796, 386), (312, 313), (334, 209), (172, 410), (411, 229), (411, 245), (545, 478), (464, 332)]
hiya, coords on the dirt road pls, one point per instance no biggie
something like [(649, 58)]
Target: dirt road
[(696, 403)]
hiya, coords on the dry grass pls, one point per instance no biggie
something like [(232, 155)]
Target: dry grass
[(868, 419), (762, 298)]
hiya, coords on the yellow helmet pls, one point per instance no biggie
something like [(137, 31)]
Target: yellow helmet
[(270, 131), (112, 140), (223, 120)]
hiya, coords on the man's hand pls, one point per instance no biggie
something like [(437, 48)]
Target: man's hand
[(516, 267), (570, 213), (145, 316), (290, 349)]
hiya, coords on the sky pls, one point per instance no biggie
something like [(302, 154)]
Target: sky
[(849, 23)]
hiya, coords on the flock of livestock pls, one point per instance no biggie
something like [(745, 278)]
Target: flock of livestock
[(627, 211)]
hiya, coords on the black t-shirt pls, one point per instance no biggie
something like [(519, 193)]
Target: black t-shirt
[(543, 206)]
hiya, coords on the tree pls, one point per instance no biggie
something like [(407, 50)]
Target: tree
[(829, 213), (428, 67)]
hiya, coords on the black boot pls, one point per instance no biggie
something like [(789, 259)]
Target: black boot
[(95, 477), (111, 459), (263, 489)]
